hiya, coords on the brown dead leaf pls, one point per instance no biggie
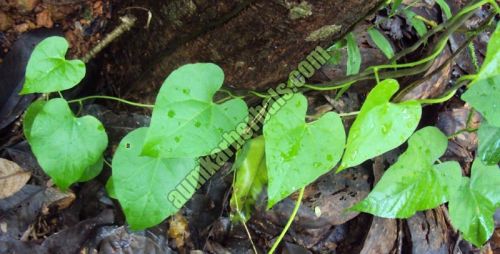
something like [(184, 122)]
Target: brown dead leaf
[(56, 198), (5, 21), (12, 178), (381, 237), (178, 230), (434, 85)]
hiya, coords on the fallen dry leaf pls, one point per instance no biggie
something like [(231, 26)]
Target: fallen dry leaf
[(5, 21), (12, 178), (56, 198), (178, 230)]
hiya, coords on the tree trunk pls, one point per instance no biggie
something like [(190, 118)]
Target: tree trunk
[(257, 43)]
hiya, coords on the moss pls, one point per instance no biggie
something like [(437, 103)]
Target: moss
[(302, 10), (323, 33), (178, 10)]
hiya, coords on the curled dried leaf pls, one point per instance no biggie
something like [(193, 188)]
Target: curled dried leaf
[(12, 178)]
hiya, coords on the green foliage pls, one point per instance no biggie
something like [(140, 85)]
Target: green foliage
[(150, 164), (472, 206), (483, 96), (110, 188), (186, 122), (380, 125), (445, 8), (382, 43), (414, 183), (416, 23), (250, 179), (48, 70), (491, 63), (489, 143), (335, 52), (142, 183), (484, 90), (353, 55), (29, 117), (395, 5), (65, 146), (297, 152), (92, 171)]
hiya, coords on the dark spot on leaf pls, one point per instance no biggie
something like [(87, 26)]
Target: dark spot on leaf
[(171, 113)]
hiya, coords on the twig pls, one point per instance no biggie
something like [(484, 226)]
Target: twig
[(127, 22)]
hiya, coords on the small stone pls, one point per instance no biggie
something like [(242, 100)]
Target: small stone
[(21, 28), (5, 21), (44, 19)]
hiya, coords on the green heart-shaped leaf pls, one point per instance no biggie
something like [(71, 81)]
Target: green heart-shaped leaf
[(297, 153), (186, 122), (473, 205), (65, 146), (250, 178), (486, 181), (414, 183), (491, 63), (483, 95), (380, 125), (92, 171), (30, 115), (484, 90), (146, 186), (489, 143), (49, 71)]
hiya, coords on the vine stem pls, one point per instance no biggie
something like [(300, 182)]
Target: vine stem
[(438, 100), (242, 216), (467, 129), (136, 104), (349, 114), (290, 220)]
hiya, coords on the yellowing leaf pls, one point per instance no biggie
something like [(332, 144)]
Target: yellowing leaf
[(250, 178)]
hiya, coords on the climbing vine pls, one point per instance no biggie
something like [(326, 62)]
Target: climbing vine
[(151, 165)]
